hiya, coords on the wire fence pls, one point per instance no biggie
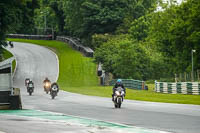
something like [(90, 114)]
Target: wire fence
[(42, 31), (188, 77)]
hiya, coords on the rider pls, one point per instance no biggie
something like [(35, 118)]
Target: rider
[(30, 82), (55, 85), (27, 80), (118, 84), (46, 80), (47, 85)]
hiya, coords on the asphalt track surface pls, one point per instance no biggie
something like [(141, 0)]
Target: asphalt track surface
[(33, 61)]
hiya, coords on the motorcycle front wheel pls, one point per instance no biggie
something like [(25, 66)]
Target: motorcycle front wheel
[(53, 95)]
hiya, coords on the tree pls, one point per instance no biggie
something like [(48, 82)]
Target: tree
[(176, 33), (59, 13), (10, 17), (27, 14), (85, 18), (124, 58), (140, 27)]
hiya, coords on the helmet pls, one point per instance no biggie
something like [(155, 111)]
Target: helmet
[(119, 81)]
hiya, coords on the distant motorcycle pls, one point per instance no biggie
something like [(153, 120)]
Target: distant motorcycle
[(30, 88), (54, 90), (47, 86), (118, 97), (11, 44), (27, 80)]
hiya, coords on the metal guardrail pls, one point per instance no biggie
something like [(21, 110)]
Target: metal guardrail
[(9, 97), (76, 45), (73, 42), (6, 75), (179, 87), (34, 37), (4, 63), (130, 83)]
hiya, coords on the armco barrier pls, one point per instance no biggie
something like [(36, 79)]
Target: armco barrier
[(9, 96), (76, 45), (73, 42), (130, 83), (34, 37), (179, 87)]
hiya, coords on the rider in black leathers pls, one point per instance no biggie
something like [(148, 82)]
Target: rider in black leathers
[(30, 82), (55, 84), (118, 84)]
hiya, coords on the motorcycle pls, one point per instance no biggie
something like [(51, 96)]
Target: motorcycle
[(118, 97), (27, 80), (47, 86), (11, 44), (54, 90), (30, 88)]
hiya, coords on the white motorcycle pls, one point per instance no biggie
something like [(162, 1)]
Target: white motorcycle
[(30, 88), (54, 90), (118, 97)]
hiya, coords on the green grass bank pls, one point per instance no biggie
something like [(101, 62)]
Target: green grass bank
[(78, 75), (6, 55), (75, 69)]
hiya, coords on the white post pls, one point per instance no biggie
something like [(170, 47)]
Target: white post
[(11, 79), (45, 21), (193, 65)]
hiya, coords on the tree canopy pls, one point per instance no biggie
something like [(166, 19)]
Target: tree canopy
[(132, 38)]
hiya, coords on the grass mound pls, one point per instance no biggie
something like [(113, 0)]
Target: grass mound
[(78, 75), (75, 69)]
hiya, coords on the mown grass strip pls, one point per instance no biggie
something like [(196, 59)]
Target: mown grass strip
[(6, 55), (78, 75), (75, 69)]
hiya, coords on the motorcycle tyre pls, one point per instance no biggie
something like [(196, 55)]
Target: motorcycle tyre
[(53, 95)]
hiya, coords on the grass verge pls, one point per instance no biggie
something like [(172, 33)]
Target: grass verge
[(6, 55), (75, 69), (78, 75)]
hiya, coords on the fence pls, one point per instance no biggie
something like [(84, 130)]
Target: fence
[(72, 41), (130, 83), (179, 87), (35, 37), (76, 45), (8, 99), (185, 77)]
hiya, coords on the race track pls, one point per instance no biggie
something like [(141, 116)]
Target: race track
[(38, 62)]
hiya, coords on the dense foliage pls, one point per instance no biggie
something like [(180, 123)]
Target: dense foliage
[(16, 17), (168, 37), (130, 37)]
